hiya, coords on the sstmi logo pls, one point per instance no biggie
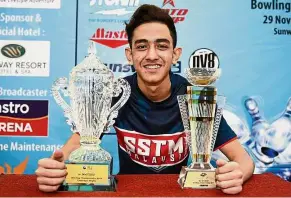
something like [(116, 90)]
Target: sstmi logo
[(110, 38), (23, 118)]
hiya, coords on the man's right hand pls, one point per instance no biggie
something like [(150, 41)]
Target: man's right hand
[(51, 172)]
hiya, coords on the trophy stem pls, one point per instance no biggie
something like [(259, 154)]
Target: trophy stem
[(88, 153), (89, 140)]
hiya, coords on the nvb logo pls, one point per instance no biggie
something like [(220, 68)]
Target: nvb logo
[(23, 118)]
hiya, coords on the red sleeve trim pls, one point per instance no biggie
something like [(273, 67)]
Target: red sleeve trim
[(77, 133), (225, 143)]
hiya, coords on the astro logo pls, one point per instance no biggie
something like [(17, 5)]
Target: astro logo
[(19, 169), (110, 38), (178, 14), (24, 118), (13, 51)]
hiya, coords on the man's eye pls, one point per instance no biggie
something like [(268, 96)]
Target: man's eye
[(141, 47), (162, 46)]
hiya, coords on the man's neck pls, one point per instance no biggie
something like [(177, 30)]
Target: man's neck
[(156, 93)]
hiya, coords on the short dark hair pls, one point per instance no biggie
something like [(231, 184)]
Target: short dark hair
[(147, 13)]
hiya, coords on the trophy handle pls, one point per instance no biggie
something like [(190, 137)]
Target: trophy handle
[(119, 85), (61, 84)]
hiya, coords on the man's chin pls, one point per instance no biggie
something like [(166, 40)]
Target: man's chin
[(152, 82)]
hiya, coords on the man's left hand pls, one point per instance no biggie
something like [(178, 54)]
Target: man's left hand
[(229, 177)]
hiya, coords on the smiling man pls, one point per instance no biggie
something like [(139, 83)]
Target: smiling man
[(149, 128)]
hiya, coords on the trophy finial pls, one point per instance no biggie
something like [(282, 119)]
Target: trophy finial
[(92, 48), (203, 67)]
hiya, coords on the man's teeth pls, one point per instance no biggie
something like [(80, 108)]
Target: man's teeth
[(152, 66)]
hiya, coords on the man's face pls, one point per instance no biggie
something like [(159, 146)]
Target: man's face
[(152, 52)]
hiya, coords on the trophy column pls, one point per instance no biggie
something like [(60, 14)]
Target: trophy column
[(201, 111)]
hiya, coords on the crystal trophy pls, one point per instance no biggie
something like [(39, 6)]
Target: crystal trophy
[(90, 88), (201, 110)]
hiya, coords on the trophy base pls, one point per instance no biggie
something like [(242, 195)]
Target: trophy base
[(88, 176), (198, 176), (89, 187)]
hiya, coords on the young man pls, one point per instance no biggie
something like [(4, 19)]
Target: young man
[(149, 126)]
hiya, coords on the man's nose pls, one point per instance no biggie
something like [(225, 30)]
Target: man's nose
[(152, 53)]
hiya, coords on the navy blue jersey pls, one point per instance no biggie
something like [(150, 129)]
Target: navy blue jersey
[(151, 135)]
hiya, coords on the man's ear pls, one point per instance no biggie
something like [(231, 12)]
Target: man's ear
[(128, 54), (176, 54)]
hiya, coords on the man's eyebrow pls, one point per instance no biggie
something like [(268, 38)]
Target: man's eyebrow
[(141, 41), (160, 40)]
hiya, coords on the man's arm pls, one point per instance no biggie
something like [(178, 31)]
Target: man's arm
[(51, 172), (235, 152), (72, 144), (231, 175)]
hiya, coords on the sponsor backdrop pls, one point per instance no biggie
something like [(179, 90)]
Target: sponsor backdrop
[(42, 40)]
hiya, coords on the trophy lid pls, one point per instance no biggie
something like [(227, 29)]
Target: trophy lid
[(92, 63)]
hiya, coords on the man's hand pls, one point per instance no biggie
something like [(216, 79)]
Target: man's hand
[(229, 177), (51, 172)]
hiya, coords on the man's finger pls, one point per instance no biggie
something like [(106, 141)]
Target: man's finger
[(220, 162), (58, 155), (46, 188), (232, 190), (229, 176), (228, 167), (52, 173), (229, 183), (51, 164), (50, 181)]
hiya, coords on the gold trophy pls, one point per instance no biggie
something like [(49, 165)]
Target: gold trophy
[(201, 110)]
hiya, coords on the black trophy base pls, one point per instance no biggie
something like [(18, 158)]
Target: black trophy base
[(89, 187)]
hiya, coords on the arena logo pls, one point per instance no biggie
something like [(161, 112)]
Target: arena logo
[(110, 38), (128, 6), (24, 118), (13, 51), (178, 14), (19, 169)]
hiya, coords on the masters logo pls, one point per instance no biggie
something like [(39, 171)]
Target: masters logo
[(110, 38), (13, 51)]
